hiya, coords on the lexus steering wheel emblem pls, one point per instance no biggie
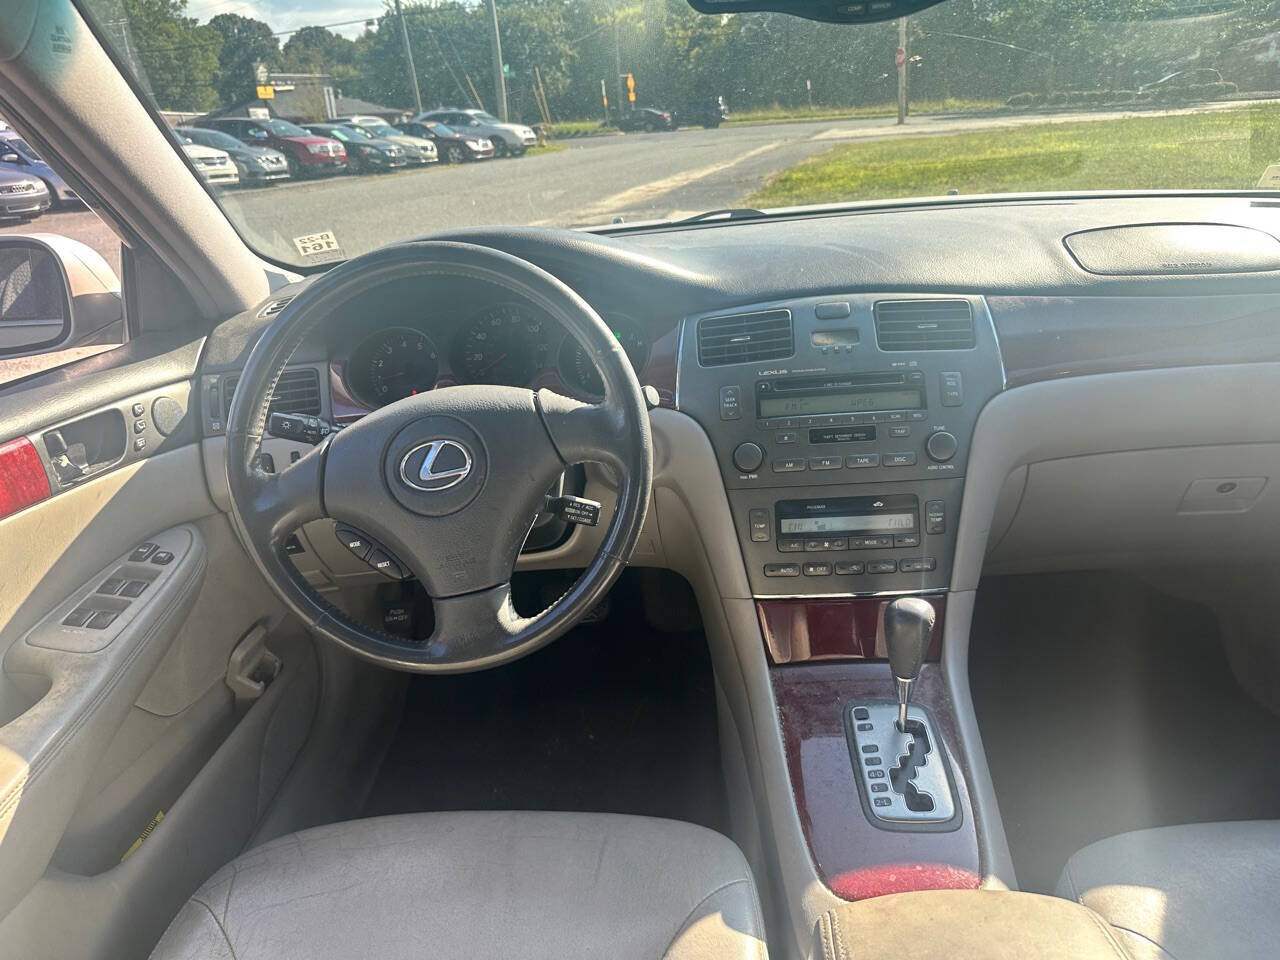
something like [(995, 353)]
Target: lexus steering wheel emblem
[(436, 465)]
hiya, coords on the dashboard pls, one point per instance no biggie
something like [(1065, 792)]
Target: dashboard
[(848, 452)]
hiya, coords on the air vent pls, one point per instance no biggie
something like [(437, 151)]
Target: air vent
[(298, 391), (924, 325), (745, 338), (274, 306)]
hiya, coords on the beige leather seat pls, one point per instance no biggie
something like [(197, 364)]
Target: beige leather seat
[(472, 886), (1188, 892)]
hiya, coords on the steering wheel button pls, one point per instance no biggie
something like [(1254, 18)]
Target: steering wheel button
[(384, 563), (355, 541)]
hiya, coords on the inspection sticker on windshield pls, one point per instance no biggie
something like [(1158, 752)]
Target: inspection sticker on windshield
[(319, 246)]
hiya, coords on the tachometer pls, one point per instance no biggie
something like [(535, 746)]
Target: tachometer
[(506, 344), (393, 364), (576, 367)]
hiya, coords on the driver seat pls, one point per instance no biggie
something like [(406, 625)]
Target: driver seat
[(478, 885)]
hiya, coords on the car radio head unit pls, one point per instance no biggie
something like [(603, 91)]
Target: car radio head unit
[(842, 394)]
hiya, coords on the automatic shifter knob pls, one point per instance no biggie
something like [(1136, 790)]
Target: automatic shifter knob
[(908, 628)]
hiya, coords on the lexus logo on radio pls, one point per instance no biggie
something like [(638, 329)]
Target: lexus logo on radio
[(436, 465)]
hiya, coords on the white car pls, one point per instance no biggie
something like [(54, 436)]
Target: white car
[(214, 166), (509, 139), (378, 127)]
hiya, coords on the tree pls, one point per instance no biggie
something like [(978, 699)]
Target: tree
[(246, 42), (317, 50), (173, 55)]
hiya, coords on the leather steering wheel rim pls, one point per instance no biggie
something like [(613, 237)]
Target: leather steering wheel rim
[(518, 441)]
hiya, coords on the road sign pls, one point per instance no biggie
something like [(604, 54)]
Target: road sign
[(900, 58), (266, 91)]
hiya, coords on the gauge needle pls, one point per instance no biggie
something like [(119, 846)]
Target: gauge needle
[(496, 361)]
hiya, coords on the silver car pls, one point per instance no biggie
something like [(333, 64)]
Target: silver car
[(23, 196), (418, 149), (509, 139)]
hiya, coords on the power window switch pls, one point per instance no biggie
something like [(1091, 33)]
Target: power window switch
[(162, 557), (142, 551), (77, 617), (133, 588), (111, 586), (102, 619)]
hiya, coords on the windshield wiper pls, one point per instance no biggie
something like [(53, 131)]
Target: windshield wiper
[(728, 213)]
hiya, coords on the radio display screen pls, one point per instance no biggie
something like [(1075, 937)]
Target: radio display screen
[(852, 402), (863, 523)]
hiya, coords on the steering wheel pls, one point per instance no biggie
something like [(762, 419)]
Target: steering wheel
[(450, 480)]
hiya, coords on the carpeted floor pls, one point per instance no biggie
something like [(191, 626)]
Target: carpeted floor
[(1107, 706), (615, 716)]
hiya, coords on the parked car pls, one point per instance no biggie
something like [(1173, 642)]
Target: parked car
[(23, 196), (452, 146), (509, 139), (709, 113), (418, 149), (214, 166), (17, 154), (254, 164), (646, 118), (365, 153), (307, 154), (1181, 79)]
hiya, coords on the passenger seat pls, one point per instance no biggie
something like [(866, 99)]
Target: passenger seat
[(1205, 890)]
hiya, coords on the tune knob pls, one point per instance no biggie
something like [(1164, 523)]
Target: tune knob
[(941, 446), (748, 456)]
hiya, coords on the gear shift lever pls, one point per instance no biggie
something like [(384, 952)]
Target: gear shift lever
[(908, 628)]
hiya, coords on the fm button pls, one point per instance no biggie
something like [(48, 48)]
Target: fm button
[(941, 446), (748, 457)]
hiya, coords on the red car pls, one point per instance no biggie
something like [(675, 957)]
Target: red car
[(308, 154)]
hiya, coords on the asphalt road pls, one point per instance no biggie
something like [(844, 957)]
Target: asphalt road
[(591, 180)]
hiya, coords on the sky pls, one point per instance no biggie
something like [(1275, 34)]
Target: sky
[(292, 14)]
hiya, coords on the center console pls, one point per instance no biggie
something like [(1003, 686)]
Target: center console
[(842, 427)]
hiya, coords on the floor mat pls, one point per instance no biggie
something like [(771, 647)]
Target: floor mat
[(613, 717), (1107, 706)]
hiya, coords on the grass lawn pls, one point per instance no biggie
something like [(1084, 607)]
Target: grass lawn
[(779, 114), (1222, 149)]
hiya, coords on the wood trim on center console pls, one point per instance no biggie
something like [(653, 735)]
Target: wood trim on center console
[(855, 858), (800, 631)]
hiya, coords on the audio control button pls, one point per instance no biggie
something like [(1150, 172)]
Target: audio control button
[(789, 465), (826, 463), (900, 459), (941, 446), (899, 432), (863, 460), (730, 403), (748, 457), (952, 388), (786, 436)]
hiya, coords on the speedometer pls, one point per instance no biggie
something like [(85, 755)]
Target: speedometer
[(506, 344), (393, 364), (576, 367)]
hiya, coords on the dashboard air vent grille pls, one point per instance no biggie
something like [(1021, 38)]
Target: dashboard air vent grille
[(924, 325), (273, 307), (298, 391), (745, 338)]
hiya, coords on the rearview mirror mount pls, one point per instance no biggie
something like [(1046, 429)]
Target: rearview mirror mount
[(828, 11)]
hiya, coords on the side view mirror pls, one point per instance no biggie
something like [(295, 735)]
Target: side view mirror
[(55, 292)]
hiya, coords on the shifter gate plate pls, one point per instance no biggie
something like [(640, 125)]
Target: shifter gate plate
[(903, 777)]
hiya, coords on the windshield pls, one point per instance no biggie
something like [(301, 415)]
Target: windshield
[(282, 128), (649, 110), (212, 138)]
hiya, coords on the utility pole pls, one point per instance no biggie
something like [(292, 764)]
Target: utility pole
[(499, 79), (408, 55), (617, 65), (901, 60)]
